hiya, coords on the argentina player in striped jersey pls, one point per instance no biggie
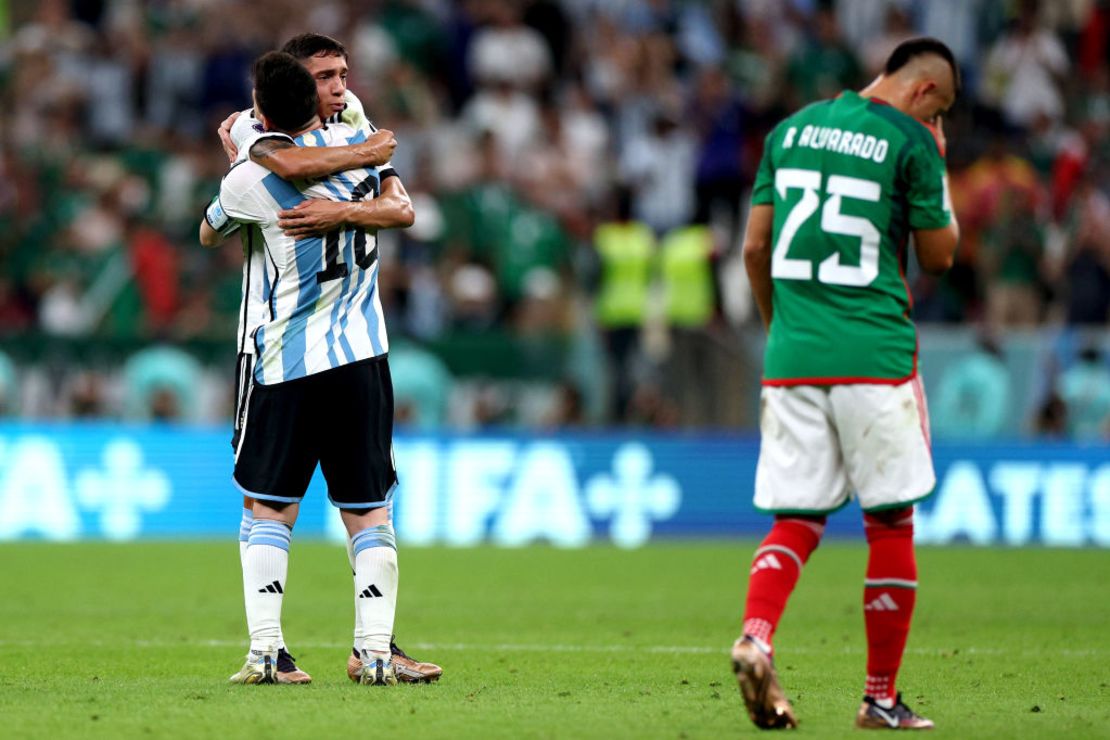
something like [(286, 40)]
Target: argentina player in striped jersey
[(320, 336), (326, 60)]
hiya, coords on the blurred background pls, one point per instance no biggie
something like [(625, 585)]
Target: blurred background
[(580, 171)]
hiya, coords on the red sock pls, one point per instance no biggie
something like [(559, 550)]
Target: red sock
[(775, 569), (888, 597)]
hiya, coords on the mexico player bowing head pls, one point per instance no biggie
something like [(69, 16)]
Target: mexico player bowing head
[(317, 383), (842, 186)]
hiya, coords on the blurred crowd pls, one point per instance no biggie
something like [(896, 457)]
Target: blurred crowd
[(579, 170)]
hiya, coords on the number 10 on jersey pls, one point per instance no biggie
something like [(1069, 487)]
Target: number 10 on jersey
[(334, 268), (833, 221)]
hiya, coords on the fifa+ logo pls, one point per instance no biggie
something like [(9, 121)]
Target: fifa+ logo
[(632, 496)]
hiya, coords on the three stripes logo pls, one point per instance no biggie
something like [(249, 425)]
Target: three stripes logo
[(370, 592), (767, 561), (883, 603), (273, 588)]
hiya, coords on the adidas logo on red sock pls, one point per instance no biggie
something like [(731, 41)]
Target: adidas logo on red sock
[(884, 603), (768, 561)]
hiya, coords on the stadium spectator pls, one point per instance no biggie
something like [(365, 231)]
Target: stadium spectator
[(689, 292), (897, 27), (508, 52), (720, 176), (1010, 262), (1024, 70), (825, 64), (659, 167), (1086, 283), (626, 253)]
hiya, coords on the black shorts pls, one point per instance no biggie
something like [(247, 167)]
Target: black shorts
[(340, 418)]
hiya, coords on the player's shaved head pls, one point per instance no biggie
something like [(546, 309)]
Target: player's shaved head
[(928, 67), (921, 79), (924, 56)]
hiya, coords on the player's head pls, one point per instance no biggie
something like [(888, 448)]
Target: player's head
[(284, 93), (926, 76), (326, 60)]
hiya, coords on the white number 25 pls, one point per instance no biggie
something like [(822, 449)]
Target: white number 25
[(833, 221)]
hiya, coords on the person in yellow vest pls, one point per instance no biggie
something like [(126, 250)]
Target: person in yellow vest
[(626, 251), (686, 260)]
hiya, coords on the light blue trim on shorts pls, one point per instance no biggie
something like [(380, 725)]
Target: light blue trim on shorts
[(266, 496), (376, 505)]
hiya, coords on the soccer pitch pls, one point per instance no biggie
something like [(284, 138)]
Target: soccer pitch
[(137, 640)]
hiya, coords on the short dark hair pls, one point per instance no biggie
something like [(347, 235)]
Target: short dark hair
[(284, 90), (920, 46), (310, 44)]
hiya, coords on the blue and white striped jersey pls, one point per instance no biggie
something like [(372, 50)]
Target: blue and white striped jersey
[(311, 304)]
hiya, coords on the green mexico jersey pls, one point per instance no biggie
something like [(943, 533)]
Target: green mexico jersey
[(849, 180)]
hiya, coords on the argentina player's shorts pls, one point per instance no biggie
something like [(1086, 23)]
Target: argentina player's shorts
[(822, 443), (340, 418)]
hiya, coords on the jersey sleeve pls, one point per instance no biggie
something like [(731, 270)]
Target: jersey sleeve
[(245, 126), (929, 204), (763, 191), (239, 200)]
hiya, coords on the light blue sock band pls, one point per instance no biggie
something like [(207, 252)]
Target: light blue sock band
[(245, 525), (379, 536), (270, 532)]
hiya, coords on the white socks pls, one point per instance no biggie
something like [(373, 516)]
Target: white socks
[(374, 552), (265, 565)]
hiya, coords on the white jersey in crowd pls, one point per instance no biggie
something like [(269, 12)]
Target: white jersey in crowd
[(311, 304)]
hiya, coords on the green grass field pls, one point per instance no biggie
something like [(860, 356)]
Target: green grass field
[(137, 640)]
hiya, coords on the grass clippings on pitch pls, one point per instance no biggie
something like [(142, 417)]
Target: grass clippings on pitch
[(137, 640)]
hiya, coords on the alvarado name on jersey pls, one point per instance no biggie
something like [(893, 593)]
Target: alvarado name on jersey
[(841, 141)]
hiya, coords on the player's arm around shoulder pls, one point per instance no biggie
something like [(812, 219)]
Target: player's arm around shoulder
[(302, 163), (392, 209), (936, 233)]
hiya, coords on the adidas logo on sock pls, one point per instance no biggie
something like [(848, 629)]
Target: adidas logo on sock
[(273, 588), (370, 592), (767, 561), (884, 603)]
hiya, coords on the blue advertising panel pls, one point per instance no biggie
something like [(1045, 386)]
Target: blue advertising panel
[(119, 482)]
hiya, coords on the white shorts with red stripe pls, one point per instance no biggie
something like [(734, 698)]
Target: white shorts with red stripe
[(821, 444)]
